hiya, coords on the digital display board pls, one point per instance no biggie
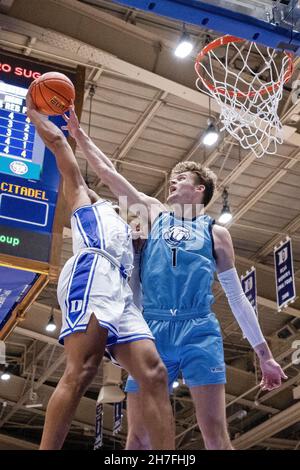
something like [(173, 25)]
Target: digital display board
[(29, 179), (19, 143)]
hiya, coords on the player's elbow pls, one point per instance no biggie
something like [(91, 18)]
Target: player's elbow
[(57, 141), (106, 173)]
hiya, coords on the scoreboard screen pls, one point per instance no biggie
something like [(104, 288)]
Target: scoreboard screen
[(19, 143), (29, 179)]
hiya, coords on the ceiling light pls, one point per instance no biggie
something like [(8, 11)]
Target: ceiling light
[(51, 326), (184, 47), (211, 135), (225, 215), (175, 384), (5, 376)]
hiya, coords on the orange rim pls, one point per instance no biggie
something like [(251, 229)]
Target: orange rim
[(223, 41)]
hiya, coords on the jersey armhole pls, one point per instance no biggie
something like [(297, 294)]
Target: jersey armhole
[(211, 224)]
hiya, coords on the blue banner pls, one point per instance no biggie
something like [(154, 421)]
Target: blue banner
[(117, 417), (99, 426), (249, 287), (284, 274), (15, 284)]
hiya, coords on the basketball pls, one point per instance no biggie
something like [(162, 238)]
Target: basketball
[(53, 93)]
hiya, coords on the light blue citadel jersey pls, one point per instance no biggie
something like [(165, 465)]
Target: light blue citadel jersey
[(177, 268)]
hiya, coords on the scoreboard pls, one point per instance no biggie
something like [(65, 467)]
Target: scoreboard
[(29, 179), (19, 143), (31, 212)]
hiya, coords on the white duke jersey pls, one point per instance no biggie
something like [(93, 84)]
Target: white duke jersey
[(99, 227)]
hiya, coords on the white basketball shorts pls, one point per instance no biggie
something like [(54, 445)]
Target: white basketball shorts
[(90, 284)]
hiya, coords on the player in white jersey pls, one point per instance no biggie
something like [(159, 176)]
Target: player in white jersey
[(97, 304)]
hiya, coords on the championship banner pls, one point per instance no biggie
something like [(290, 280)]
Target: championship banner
[(117, 417), (249, 287), (284, 274), (99, 427)]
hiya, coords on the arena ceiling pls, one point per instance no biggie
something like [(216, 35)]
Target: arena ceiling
[(147, 115)]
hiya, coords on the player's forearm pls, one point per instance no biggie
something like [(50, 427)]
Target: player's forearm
[(46, 129), (263, 351), (55, 140), (93, 154), (135, 282), (241, 307)]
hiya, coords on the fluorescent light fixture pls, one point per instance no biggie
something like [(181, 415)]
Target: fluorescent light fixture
[(184, 47)]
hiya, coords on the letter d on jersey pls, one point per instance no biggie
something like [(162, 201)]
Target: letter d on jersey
[(76, 306)]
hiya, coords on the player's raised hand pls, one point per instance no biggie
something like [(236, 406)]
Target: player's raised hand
[(29, 101), (272, 375), (30, 105), (72, 122)]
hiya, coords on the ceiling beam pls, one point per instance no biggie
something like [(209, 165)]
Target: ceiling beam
[(279, 443), (93, 57), (142, 122), (35, 335), (265, 186), (16, 444), (24, 397), (273, 306), (267, 249), (270, 427)]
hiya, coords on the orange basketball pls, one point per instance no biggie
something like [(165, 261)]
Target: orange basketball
[(52, 93)]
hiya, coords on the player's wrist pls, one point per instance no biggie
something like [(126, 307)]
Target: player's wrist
[(263, 352), (78, 133)]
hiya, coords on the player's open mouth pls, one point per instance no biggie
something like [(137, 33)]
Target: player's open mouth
[(172, 189)]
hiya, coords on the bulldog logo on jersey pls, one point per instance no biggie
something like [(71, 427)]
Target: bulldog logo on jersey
[(175, 235)]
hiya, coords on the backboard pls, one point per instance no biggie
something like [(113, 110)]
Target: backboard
[(273, 23)]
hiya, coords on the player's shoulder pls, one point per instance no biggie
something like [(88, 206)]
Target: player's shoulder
[(221, 232), (153, 201)]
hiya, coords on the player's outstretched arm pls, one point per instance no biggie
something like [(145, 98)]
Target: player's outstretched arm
[(102, 165), (74, 185), (53, 138), (272, 373)]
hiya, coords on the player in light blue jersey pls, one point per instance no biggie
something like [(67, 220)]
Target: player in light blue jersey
[(178, 262), (97, 305)]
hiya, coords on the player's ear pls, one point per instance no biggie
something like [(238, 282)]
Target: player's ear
[(200, 188)]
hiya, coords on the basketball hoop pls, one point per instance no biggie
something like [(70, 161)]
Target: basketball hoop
[(248, 98)]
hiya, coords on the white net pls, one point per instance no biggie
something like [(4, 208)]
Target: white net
[(248, 97)]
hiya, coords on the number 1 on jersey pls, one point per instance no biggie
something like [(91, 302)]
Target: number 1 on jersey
[(174, 257)]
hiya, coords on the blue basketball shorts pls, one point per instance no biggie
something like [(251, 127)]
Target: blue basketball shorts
[(194, 347)]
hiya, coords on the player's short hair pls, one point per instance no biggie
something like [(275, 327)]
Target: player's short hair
[(203, 175)]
